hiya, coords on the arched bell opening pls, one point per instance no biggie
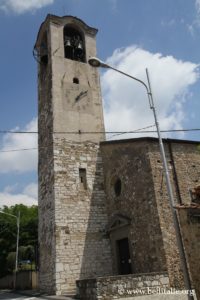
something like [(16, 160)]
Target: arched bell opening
[(74, 44)]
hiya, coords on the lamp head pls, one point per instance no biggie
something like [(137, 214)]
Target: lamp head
[(96, 62)]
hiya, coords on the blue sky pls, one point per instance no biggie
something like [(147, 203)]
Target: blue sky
[(162, 35)]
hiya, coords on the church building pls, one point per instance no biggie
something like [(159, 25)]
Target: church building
[(103, 205)]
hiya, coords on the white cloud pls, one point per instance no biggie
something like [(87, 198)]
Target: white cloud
[(19, 161), (21, 6), (11, 188), (114, 5), (197, 3), (191, 29), (27, 197), (196, 22), (31, 190), (126, 102), (168, 23)]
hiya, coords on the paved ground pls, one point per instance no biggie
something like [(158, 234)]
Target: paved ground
[(28, 295), (31, 295)]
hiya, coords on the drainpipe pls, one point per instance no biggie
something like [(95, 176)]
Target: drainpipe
[(187, 274), (174, 171)]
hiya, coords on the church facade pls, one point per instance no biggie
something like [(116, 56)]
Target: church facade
[(103, 206)]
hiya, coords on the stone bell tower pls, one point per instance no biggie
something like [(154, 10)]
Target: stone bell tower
[(72, 212)]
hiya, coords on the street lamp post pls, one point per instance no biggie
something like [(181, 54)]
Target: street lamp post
[(17, 245), (95, 62)]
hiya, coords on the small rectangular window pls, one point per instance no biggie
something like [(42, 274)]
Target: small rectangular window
[(75, 80), (82, 178)]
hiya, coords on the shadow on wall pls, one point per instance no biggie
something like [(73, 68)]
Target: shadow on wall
[(133, 216), (96, 259)]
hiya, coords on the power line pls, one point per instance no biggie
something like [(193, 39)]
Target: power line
[(15, 150), (116, 133), (100, 132), (24, 132), (140, 129)]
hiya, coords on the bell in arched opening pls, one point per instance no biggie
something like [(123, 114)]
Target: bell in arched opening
[(68, 47), (73, 44), (78, 49)]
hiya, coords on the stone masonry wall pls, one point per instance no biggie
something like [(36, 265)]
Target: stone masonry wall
[(118, 287), (71, 217), (129, 163), (82, 249), (144, 199), (190, 227), (46, 182), (186, 158), (165, 215), (184, 164), (86, 113)]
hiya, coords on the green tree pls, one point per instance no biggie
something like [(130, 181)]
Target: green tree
[(11, 261), (28, 235)]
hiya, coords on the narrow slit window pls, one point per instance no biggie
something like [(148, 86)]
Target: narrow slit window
[(82, 178)]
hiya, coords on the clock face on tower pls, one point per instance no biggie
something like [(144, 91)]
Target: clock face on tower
[(77, 98)]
